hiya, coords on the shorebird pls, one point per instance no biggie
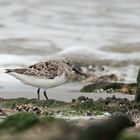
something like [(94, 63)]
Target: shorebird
[(45, 75)]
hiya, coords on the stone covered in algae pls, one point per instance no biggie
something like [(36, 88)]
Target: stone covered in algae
[(25, 125), (28, 125), (80, 106), (84, 105), (130, 134), (19, 121), (48, 128), (8, 103), (108, 129), (110, 87)]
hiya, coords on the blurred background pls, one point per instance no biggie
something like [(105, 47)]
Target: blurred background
[(97, 32)]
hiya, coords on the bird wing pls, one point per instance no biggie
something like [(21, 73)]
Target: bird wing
[(47, 70)]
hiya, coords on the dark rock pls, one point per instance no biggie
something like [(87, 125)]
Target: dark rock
[(3, 113), (88, 113), (73, 100), (113, 97), (115, 114), (100, 100), (107, 129), (82, 98)]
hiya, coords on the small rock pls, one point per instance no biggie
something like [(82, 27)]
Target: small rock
[(88, 114), (113, 97), (82, 98), (73, 100)]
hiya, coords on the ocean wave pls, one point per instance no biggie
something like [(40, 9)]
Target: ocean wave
[(90, 55), (17, 60), (123, 48), (78, 54)]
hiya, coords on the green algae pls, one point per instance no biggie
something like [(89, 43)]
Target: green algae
[(8, 103), (128, 138), (19, 122), (24, 120), (86, 107), (81, 106), (126, 135), (15, 124)]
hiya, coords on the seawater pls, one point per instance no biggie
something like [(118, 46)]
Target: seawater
[(99, 32)]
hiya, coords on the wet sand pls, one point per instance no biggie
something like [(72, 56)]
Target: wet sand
[(66, 92)]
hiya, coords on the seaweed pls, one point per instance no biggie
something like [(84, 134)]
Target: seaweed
[(19, 121)]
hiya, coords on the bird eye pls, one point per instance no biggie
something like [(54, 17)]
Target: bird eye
[(68, 63)]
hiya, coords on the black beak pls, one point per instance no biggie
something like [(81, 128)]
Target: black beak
[(77, 70)]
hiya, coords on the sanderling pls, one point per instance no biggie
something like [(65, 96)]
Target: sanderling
[(44, 75)]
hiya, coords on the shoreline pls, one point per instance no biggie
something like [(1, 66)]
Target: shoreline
[(65, 92), (13, 88)]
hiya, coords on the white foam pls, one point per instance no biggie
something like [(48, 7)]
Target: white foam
[(92, 55), (82, 117)]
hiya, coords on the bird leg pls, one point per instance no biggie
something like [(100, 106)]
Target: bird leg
[(45, 94), (38, 93)]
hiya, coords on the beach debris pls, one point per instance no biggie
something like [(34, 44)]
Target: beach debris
[(28, 108), (98, 74), (109, 78), (104, 78)]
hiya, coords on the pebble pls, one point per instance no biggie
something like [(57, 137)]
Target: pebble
[(82, 98), (29, 108), (2, 113)]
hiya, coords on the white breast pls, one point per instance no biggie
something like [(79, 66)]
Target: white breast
[(40, 82)]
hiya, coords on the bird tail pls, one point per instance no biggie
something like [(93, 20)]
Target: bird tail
[(20, 71), (8, 70)]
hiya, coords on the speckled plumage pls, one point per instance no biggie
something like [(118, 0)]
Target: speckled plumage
[(45, 75), (49, 69)]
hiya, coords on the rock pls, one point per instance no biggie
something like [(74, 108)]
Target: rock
[(88, 113), (91, 78), (106, 130), (82, 98), (130, 134), (19, 122), (3, 113), (73, 100), (110, 87), (113, 97), (47, 128)]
